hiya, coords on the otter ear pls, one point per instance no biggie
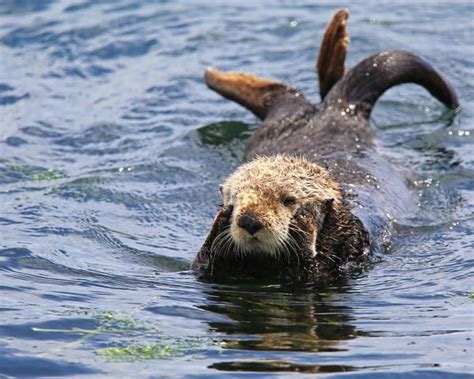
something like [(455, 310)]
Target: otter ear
[(221, 189), (221, 221)]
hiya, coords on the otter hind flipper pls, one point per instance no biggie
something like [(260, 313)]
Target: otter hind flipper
[(258, 95), (368, 80), (332, 53)]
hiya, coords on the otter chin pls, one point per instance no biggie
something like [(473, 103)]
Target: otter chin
[(315, 195)]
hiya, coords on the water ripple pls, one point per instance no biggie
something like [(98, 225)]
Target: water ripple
[(112, 153)]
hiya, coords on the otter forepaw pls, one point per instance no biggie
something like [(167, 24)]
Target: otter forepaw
[(224, 217), (303, 212), (221, 221), (304, 230), (305, 223)]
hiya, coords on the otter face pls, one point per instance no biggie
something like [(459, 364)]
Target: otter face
[(260, 219), (267, 193)]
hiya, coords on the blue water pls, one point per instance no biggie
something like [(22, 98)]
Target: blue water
[(111, 152)]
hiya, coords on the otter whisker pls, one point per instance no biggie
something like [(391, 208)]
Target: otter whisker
[(215, 247), (293, 248), (291, 243), (328, 256), (283, 247), (286, 251), (228, 245), (219, 238), (297, 229)]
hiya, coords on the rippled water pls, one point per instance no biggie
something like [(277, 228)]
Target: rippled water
[(111, 152)]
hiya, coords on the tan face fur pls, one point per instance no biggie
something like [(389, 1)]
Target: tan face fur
[(271, 190)]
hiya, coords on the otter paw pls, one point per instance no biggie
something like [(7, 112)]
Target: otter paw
[(303, 212), (305, 228), (224, 217), (306, 224)]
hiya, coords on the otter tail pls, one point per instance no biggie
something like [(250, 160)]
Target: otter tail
[(366, 82)]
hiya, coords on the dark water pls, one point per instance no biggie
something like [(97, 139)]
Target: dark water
[(112, 150)]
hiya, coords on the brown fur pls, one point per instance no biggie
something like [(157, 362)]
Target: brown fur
[(312, 221), (260, 187), (315, 235), (333, 50)]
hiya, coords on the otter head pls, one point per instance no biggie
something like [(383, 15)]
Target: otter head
[(265, 195)]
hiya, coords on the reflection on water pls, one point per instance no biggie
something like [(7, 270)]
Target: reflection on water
[(261, 317), (112, 150), (278, 366), (301, 319)]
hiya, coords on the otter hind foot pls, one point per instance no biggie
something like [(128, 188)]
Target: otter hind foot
[(260, 96), (332, 53), (245, 89), (367, 81)]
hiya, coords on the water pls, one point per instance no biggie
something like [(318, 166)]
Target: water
[(112, 149)]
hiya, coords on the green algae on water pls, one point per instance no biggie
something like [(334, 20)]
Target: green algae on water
[(35, 173), (165, 347), (137, 352), (131, 339), (49, 175)]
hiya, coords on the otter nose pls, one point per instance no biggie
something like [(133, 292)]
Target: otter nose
[(248, 222)]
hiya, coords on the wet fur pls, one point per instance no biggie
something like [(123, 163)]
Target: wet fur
[(324, 156)]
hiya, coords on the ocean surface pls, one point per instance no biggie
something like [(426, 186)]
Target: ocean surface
[(111, 153)]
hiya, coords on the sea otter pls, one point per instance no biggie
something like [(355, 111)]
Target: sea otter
[(315, 197)]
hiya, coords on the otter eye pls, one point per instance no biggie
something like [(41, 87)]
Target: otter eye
[(288, 201)]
